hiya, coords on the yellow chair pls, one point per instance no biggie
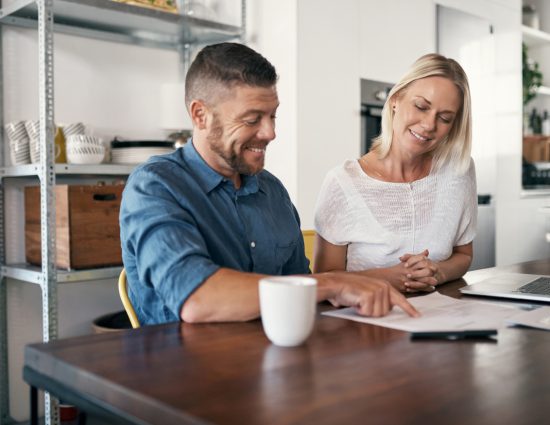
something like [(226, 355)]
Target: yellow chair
[(309, 242), (123, 292)]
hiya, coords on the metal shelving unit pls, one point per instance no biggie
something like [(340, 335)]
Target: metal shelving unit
[(30, 170), (99, 19), (33, 274), (120, 22)]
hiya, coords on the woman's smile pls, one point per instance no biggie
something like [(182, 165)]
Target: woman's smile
[(419, 136)]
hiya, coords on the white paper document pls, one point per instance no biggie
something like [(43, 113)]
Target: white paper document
[(440, 313), (539, 318)]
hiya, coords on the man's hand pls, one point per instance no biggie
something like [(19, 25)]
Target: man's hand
[(370, 296)]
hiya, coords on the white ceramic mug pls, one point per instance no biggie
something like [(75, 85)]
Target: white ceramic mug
[(288, 306)]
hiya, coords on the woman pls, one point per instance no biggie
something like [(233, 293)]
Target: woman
[(406, 211)]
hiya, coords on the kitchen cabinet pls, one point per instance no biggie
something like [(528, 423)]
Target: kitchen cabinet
[(102, 20)]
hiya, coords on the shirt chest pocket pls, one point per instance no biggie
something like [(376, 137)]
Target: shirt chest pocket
[(273, 258)]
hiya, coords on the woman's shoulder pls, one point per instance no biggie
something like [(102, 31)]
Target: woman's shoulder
[(449, 169), (349, 168), (340, 178), (461, 182)]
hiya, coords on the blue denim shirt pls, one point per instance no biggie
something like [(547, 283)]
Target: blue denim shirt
[(180, 221)]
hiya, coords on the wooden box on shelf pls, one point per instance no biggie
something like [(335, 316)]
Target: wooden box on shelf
[(87, 228), (536, 148)]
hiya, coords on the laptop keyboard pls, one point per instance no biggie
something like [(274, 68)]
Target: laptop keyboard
[(540, 286)]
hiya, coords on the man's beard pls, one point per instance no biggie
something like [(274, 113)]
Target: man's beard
[(230, 155)]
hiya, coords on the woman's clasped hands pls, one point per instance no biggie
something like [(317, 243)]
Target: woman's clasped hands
[(416, 273)]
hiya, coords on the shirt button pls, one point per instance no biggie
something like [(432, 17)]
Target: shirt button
[(253, 244)]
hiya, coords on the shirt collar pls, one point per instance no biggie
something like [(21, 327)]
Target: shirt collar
[(208, 178)]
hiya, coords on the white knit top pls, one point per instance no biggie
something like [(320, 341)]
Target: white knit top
[(381, 221)]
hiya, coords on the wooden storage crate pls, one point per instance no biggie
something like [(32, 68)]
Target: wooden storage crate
[(87, 228), (536, 148)]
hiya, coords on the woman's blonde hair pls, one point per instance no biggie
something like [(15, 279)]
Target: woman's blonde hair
[(456, 147)]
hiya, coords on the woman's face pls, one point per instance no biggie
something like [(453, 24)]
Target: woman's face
[(424, 114)]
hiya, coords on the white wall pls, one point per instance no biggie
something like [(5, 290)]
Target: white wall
[(393, 34), (112, 88), (318, 78), (318, 120), (272, 30), (328, 94)]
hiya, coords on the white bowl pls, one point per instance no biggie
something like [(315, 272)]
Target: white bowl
[(85, 155), (83, 146), (82, 138)]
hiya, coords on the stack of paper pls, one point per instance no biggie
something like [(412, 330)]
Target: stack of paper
[(443, 313)]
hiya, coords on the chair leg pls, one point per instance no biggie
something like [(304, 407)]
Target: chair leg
[(34, 405)]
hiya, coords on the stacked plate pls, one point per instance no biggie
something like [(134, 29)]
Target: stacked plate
[(33, 130), (19, 143), (138, 151)]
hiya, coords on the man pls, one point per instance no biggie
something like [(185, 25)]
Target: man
[(201, 226)]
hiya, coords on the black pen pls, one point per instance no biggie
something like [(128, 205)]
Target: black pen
[(455, 335)]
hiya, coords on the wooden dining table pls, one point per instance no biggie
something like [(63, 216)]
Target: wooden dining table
[(346, 373)]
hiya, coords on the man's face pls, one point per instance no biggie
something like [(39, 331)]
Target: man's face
[(241, 126)]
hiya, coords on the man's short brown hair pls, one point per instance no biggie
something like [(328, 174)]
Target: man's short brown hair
[(224, 65)]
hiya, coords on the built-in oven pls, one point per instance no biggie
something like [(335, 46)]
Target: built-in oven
[(373, 96)]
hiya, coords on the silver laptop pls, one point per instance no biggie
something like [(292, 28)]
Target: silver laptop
[(512, 285)]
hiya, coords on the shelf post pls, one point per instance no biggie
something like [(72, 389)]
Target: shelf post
[(4, 381), (184, 52), (47, 186)]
